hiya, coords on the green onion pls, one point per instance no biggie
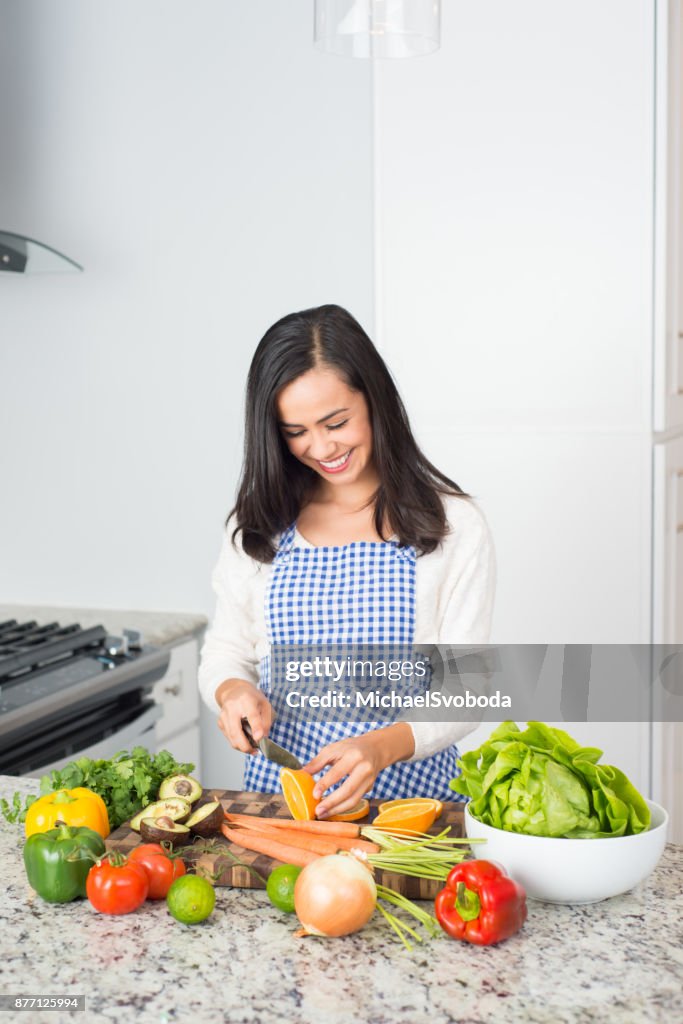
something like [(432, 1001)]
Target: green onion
[(425, 857), (397, 925), (403, 903)]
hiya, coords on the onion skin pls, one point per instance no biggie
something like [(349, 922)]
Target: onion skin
[(334, 895)]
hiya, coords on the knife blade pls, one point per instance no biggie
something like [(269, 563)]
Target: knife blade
[(271, 750)]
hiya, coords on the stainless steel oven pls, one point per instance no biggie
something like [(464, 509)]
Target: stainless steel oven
[(67, 692)]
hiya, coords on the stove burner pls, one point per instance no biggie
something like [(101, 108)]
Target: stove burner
[(27, 647)]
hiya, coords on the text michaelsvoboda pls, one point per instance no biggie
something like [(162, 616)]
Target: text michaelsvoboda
[(381, 699)]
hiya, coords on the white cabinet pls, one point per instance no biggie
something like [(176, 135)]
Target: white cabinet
[(178, 729), (667, 463), (668, 362), (668, 546), (667, 784), (667, 533)]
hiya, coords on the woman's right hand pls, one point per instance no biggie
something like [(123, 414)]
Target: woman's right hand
[(239, 699)]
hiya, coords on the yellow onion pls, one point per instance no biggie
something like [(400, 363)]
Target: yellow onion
[(334, 895)]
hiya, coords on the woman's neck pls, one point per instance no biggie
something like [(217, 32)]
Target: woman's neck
[(348, 498), (339, 515), (353, 500)]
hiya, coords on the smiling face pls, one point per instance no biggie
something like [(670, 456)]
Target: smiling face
[(326, 425)]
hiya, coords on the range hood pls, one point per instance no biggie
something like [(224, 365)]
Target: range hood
[(26, 256)]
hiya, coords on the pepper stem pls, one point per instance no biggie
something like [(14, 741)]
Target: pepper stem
[(62, 797), (467, 902)]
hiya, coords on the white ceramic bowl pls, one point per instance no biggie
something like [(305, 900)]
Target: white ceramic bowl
[(572, 870)]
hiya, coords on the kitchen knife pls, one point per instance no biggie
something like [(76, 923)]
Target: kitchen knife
[(270, 750)]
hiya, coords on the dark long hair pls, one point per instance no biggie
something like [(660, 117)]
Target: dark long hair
[(275, 485)]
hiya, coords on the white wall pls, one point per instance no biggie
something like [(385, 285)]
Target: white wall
[(514, 185), (212, 172), (514, 191)]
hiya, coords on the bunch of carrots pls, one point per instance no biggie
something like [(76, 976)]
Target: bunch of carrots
[(295, 842)]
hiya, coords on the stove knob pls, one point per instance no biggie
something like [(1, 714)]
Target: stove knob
[(116, 645), (134, 638)]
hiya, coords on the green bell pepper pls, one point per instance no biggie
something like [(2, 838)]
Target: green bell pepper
[(58, 861)]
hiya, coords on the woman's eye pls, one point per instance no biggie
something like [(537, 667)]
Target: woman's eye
[(300, 433)]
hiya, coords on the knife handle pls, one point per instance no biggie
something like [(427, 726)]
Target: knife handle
[(246, 729)]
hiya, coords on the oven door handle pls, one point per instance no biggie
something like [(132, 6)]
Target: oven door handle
[(135, 733)]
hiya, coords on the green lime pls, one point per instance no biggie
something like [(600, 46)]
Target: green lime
[(191, 899), (280, 886)]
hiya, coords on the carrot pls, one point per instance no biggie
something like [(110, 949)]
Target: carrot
[(316, 844), (245, 821), (345, 843), (305, 841), (289, 831), (328, 828), (262, 843)]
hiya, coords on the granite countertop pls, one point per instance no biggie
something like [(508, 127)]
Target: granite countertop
[(160, 628), (616, 961)]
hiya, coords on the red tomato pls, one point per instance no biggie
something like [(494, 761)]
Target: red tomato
[(161, 869), (117, 888)]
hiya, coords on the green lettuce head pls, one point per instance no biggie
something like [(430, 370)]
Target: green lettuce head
[(543, 783)]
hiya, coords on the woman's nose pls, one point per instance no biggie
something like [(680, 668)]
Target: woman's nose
[(322, 449)]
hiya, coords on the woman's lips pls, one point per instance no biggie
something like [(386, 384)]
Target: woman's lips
[(336, 465)]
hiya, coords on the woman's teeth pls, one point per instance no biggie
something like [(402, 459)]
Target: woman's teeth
[(337, 463)]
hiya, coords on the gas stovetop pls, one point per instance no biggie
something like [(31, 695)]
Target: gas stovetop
[(53, 671), (26, 647)]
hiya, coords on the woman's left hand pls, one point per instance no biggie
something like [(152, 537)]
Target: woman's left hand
[(362, 758)]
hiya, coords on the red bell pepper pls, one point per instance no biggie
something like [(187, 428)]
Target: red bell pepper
[(480, 904)]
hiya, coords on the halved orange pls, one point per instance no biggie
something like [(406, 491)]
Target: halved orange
[(297, 789), (410, 817), (426, 800), (361, 810)]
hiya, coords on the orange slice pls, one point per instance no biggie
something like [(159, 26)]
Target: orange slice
[(361, 810), (297, 789), (427, 801), (410, 817)]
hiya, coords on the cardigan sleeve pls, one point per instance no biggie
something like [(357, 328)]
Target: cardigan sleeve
[(229, 651), (470, 590)]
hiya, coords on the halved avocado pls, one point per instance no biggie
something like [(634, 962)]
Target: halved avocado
[(156, 830), (176, 809), (207, 819), (183, 786)]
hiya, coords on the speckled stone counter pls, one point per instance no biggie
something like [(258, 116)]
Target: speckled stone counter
[(159, 628), (617, 961)]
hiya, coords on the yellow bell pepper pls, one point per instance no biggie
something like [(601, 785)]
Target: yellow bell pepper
[(80, 808)]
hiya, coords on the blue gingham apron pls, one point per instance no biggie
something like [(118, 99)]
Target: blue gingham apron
[(362, 592)]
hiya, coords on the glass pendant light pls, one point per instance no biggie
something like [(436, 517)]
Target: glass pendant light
[(378, 28)]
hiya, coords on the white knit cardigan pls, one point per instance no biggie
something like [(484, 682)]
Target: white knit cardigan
[(455, 587)]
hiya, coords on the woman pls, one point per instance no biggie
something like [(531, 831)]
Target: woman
[(338, 516)]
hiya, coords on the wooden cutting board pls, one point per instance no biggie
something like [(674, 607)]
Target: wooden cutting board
[(232, 864)]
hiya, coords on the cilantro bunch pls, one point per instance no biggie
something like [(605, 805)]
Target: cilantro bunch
[(126, 783)]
